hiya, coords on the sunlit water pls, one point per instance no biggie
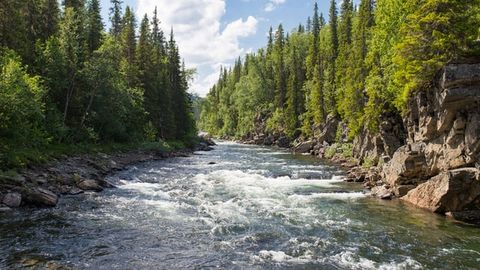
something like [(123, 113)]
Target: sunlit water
[(255, 208)]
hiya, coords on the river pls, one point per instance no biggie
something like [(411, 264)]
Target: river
[(237, 207)]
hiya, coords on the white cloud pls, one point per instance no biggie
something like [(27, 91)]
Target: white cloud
[(272, 4), (197, 27)]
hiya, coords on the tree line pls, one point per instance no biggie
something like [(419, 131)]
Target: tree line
[(66, 80), (365, 61)]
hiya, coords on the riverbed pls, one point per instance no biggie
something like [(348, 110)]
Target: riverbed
[(236, 207)]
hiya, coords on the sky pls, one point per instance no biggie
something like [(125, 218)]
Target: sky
[(213, 33)]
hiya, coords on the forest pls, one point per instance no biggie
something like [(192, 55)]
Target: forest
[(65, 81), (362, 63)]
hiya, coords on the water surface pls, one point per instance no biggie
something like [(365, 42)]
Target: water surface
[(237, 207)]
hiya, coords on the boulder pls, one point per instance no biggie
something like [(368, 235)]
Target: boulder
[(304, 147), (12, 199), (269, 140), (283, 142), (40, 197), (89, 185), (451, 191), (382, 192), (408, 166)]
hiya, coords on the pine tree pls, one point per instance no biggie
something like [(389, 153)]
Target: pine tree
[(279, 68), (128, 35), (77, 5), (352, 104), (330, 82), (94, 26), (344, 48), (116, 17)]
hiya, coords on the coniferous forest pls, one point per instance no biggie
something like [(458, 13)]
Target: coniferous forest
[(363, 62), (66, 81)]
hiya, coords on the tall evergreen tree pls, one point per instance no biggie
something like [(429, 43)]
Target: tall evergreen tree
[(116, 17), (330, 82), (94, 26), (279, 67)]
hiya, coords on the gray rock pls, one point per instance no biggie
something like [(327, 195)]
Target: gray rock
[(283, 142), (90, 185), (75, 191), (304, 147), (40, 197), (460, 74), (13, 199), (328, 131), (381, 192), (402, 190), (451, 191)]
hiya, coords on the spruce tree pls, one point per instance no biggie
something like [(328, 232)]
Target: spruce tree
[(116, 17), (279, 68), (94, 26)]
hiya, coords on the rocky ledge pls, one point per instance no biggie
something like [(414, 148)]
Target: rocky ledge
[(42, 186), (439, 164)]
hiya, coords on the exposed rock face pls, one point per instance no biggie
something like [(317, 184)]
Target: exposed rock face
[(374, 147), (327, 131), (442, 152)]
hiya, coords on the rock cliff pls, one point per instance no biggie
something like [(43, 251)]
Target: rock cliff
[(440, 160)]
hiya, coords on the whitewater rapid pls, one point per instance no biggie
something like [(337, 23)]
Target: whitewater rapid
[(237, 207)]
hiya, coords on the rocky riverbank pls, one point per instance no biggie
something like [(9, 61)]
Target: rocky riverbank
[(429, 157), (43, 186)]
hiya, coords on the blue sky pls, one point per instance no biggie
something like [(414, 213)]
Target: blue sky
[(212, 33)]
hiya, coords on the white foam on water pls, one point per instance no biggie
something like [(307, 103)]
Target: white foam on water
[(149, 189), (327, 195), (278, 257), (350, 260), (272, 153), (232, 196)]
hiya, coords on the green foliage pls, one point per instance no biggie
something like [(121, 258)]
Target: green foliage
[(444, 28), (21, 110), (66, 84), (369, 162), (366, 61)]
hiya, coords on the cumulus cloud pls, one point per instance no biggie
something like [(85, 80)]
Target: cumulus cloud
[(202, 41), (272, 4)]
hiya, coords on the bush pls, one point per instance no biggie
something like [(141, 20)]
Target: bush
[(21, 112)]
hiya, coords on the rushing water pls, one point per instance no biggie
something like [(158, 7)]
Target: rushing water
[(255, 208)]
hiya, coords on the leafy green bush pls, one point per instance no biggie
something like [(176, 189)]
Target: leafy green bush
[(21, 112)]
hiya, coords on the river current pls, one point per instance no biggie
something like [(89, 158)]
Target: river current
[(237, 207)]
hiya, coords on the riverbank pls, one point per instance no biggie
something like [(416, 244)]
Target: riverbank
[(42, 185)]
